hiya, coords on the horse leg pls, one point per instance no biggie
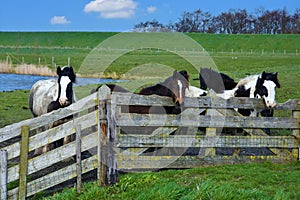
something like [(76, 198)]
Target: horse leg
[(39, 150)]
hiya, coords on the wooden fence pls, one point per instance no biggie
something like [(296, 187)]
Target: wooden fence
[(115, 137)]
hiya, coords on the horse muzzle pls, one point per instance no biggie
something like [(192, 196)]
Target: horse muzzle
[(64, 102), (270, 104), (179, 102)]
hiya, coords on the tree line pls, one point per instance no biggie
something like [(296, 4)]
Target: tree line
[(234, 21)]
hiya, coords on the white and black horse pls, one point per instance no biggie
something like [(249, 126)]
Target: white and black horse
[(256, 86), (48, 95), (259, 86)]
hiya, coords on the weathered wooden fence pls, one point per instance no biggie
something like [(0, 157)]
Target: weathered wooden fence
[(115, 137)]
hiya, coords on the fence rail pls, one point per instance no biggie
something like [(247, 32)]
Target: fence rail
[(111, 138)]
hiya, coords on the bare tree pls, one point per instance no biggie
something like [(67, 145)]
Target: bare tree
[(150, 26), (234, 21), (197, 21)]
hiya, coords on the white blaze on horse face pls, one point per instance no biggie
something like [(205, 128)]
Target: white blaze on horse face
[(180, 91), (64, 81), (270, 99)]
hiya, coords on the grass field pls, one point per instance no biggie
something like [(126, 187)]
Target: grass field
[(242, 181), (251, 54), (235, 55)]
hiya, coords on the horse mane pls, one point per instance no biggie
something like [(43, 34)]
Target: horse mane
[(272, 77), (185, 75), (162, 89)]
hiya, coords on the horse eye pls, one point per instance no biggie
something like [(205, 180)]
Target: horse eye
[(265, 91)]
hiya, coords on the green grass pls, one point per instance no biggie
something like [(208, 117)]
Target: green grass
[(241, 181), (140, 62), (14, 107), (79, 44), (248, 42)]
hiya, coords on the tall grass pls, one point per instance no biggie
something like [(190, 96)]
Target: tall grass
[(7, 67)]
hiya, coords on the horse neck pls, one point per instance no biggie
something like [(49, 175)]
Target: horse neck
[(157, 89)]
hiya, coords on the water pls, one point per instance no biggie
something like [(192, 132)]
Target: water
[(10, 82)]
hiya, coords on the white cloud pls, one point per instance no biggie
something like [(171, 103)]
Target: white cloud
[(112, 8), (151, 9), (59, 20)]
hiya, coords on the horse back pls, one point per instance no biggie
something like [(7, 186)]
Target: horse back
[(41, 95)]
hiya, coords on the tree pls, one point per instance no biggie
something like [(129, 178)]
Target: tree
[(234, 21), (150, 26), (197, 21)]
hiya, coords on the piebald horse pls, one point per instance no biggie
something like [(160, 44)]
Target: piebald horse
[(256, 86), (48, 95), (259, 86)]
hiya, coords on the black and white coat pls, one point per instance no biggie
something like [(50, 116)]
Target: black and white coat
[(256, 86), (48, 95)]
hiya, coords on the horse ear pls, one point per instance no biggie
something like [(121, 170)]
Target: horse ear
[(276, 79), (263, 75), (174, 73), (58, 71), (72, 74)]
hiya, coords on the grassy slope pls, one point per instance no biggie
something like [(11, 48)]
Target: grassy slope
[(236, 64), (241, 181)]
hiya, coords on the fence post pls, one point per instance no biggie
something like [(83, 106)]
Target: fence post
[(112, 161), (107, 171), (52, 62), (78, 157), (211, 132), (296, 133), (23, 162), (3, 174)]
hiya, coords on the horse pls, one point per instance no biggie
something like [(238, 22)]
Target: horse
[(48, 95), (215, 81), (257, 86), (174, 87)]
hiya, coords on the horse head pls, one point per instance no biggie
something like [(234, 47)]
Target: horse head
[(66, 78), (265, 88), (178, 84)]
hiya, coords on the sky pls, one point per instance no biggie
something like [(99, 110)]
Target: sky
[(115, 15)]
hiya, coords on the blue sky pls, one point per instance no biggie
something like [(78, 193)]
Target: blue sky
[(114, 15)]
